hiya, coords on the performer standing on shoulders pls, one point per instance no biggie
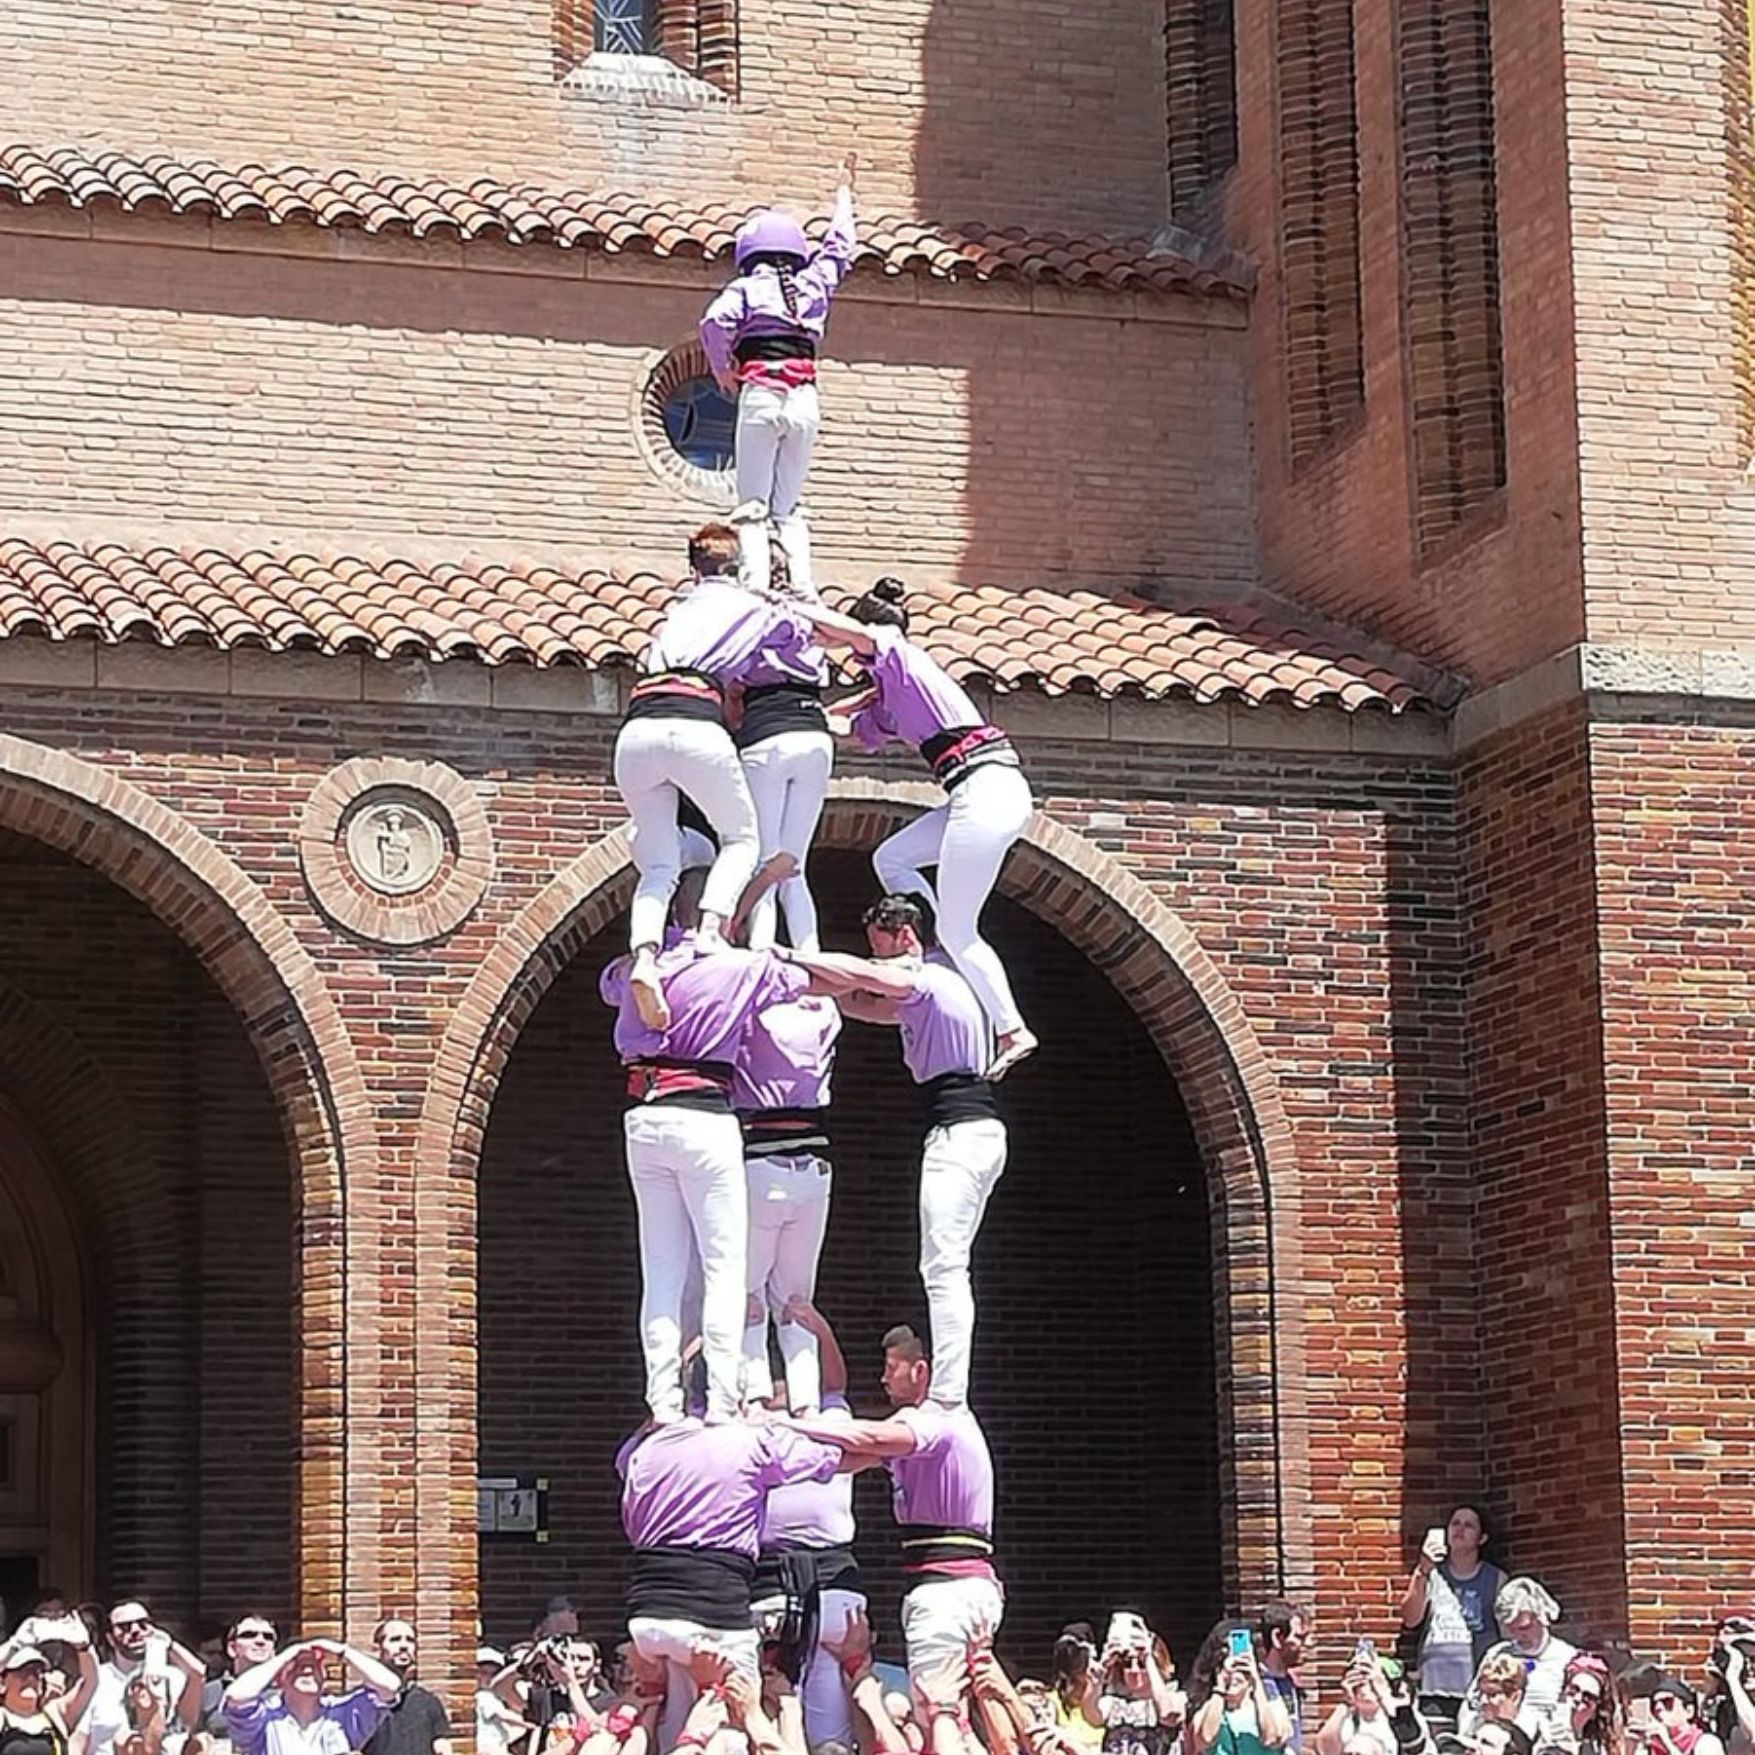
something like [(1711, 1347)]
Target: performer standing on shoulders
[(989, 805), (946, 1043), (685, 1149), (942, 1477), (761, 336), (674, 743), (781, 1091)]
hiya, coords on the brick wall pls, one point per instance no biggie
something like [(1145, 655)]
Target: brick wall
[(138, 1080), (1541, 1281), (1342, 534), (1093, 1367), (1676, 887), (1024, 111), (1321, 885), (475, 411)]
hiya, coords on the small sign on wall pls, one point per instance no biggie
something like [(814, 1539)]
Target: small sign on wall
[(512, 1507)]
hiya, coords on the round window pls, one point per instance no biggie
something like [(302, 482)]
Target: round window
[(700, 421), (688, 426)]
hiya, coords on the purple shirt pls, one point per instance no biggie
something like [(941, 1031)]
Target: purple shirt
[(344, 1721), (948, 1477), (813, 1513), (944, 1029), (691, 1485), (788, 1056), (715, 626), (790, 654), (753, 304), (916, 697), (713, 997)]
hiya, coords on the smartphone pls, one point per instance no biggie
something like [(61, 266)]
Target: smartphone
[(1437, 1540), (1364, 1654), (1639, 1713), (1241, 1642)]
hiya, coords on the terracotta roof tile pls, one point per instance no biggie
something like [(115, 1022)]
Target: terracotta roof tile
[(75, 177), (525, 613)]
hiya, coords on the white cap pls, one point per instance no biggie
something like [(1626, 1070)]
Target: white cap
[(21, 1657), (485, 1654)]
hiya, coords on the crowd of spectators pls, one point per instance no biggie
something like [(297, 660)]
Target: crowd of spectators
[(1478, 1666)]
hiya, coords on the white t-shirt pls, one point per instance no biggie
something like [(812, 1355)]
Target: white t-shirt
[(106, 1718)]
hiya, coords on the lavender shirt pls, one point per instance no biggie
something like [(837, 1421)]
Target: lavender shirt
[(691, 1485), (753, 304), (713, 997), (948, 1477), (343, 1722), (916, 697), (717, 627), (790, 654), (944, 1029), (813, 1514), (788, 1056)]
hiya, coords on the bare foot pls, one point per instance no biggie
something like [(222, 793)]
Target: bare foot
[(1014, 1046)]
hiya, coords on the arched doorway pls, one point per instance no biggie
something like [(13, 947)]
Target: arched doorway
[(1197, 1029), (45, 1387), (1094, 1358)]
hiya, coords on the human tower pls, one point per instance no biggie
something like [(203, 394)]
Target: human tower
[(738, 1501)]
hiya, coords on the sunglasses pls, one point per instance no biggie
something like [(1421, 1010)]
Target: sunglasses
[(1665, 1703), (1586, 1694), (254, 1633), (128, 1626)]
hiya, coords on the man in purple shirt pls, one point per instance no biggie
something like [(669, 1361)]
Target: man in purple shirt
[(279, 1707), (946, 1043), (941, 1475), (685, 1149), (693, 1498)]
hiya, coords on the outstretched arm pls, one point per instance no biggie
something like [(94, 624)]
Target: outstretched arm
[(836, 973), (834, 259), (835, 629), (834, 1365), (875, 1439)]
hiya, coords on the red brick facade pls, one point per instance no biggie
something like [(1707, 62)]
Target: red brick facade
[(1391, 1138)]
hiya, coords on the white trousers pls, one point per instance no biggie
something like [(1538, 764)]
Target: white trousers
[(789, 1217), (776, 430), (958, 1170), (788, 777), (967, 838), (942, 1616), (828, 1713), (656, 759), (686, 1166), (674, 1642)]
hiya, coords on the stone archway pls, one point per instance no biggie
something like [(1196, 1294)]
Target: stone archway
[(104, 821), (1174, 987)]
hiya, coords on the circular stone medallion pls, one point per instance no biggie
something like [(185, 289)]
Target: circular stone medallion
[(394, 846)]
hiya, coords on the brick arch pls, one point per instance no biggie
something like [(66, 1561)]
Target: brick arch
[(280, 998), (1175, 988)]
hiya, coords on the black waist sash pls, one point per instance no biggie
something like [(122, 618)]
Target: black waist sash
[(959, 1096), (954, 755), (800, 1576), (709, 1586), (792, 345), (928, 1545), (771, 708), (659, 1082), (785, 1133), (677, 694)]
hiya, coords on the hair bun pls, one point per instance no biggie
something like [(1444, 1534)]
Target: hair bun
[(889, 589)]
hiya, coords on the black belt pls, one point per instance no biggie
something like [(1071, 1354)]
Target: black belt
[(677, 694), (785, 1133), (772, 708), (710, 1586), (959, 1096)]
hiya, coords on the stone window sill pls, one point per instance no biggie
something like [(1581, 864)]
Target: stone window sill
[(643, 81)]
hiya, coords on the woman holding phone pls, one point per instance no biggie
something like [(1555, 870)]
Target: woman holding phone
[(1450, 1600), (1229, 1708)]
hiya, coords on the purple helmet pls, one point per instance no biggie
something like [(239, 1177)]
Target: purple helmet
[(769, 232)]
